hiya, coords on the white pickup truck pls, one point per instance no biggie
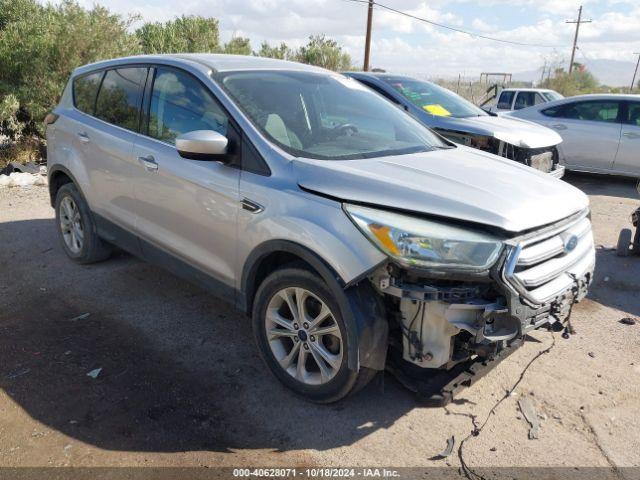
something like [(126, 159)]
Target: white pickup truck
[(519, 98)]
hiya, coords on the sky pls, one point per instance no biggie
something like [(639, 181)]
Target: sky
[(404, 45)]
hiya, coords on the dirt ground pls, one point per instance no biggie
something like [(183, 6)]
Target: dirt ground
[(182, 385)]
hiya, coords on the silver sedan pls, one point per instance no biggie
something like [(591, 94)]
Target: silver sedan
[(600, 133)]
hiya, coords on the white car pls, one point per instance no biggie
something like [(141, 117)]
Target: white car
[(519, 98), (600, 133)]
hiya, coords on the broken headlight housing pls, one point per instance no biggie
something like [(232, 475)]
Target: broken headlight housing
[(426, 243)]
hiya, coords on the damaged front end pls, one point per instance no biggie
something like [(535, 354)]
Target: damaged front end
[(446, 328)]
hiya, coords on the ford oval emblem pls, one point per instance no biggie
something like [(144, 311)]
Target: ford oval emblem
[(570, 243)]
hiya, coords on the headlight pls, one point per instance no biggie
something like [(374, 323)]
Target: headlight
[(426, 243)]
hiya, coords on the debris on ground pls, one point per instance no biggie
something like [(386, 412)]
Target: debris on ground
[(628, 321), (22, 179), (451, 441), (591, 354), (493, 449), (80, 317), (94, 373), (529, 412)]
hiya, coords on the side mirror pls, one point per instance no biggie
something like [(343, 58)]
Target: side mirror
[(202, 145)]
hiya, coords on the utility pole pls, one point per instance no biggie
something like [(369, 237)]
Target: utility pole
[(544, 68), (367, 42), (575, 38), (635, 72)]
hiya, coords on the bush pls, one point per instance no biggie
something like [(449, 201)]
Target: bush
[(187, 34)]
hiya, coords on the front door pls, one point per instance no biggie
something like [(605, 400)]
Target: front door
[(186, 208)]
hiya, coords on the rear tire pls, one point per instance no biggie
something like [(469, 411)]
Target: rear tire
[(624, 243), (306, 346), (76, 228)]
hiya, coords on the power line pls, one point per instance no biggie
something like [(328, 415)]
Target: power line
[(455, 29)]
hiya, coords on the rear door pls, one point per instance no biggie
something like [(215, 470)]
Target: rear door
[(186, 208), (106, 141), (590, 131), (628, 158)]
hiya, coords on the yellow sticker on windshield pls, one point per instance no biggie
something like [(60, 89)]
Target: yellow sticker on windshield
[(437, 110)]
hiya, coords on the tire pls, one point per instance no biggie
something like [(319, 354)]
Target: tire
[(87, 247), (315, 383), (624, 243)]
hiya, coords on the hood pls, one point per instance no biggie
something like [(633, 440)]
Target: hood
[(515, 131), (460, 183)]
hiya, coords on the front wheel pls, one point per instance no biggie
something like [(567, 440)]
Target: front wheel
[(301, 335)]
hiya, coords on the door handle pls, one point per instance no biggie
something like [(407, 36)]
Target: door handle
[(631, 135), (149, 163), (84, 138), (559, 126), (251, 206)]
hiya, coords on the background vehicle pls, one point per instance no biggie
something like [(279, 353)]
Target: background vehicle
[(519, 98), (339, 223), (600, 133), (462, 122)]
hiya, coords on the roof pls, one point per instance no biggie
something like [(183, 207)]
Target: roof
[(528, 89), (216, 62), (606, 96)]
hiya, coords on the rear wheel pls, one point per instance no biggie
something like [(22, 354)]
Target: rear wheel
[(301, 335), (76, 228), (624, 243)]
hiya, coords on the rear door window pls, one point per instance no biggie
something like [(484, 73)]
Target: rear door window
[(120, 96), (505, 100), (85, 90)]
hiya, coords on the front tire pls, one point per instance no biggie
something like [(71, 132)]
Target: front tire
[(302, 337), (76, 228)]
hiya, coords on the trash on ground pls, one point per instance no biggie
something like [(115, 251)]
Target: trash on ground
[(628, 321), (94, 373), (80, 317), (22, 179), (591, 354), (451, 441), (529, 412), (29, 167)]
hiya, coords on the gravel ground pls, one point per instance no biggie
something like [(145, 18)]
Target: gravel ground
[(182, 385)]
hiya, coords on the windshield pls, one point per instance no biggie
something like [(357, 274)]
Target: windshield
[(323, 116), (551, 96), (434, 99)]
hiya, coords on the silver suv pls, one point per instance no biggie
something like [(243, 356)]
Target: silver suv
[(354, 237)]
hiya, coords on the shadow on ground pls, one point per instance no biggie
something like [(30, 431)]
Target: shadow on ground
[(179, 369), (609, 185)]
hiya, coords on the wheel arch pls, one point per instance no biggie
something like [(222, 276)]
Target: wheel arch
[(59, 176), (360, 304)]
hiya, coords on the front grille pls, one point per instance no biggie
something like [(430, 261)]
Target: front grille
[(545, 266)]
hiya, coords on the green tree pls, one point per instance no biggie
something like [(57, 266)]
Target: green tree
[(40, 45), (324, 52), (238, 46), (577, 82), (281, 52), (186, 34)]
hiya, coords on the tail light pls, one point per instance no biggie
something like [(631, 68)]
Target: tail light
[(50, 119)]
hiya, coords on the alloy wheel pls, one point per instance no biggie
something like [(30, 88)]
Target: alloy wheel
[(304, 336), (71, 225)]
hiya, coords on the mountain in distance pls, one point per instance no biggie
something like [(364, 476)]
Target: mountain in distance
[(614, 73)]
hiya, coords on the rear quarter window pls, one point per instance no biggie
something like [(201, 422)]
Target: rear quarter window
[(85, 89), (505, 100)]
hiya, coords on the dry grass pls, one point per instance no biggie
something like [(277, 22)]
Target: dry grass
[(25, 150)]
